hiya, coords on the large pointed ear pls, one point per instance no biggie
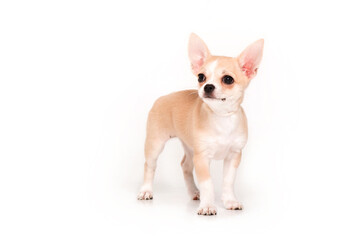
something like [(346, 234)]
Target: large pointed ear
[(198, 52), (249, 60)]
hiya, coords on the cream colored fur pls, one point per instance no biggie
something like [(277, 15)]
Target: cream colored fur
[(210, 128)]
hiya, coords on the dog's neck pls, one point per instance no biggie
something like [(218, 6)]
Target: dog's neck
[(222, 109)]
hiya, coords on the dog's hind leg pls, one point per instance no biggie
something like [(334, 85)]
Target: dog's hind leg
[(188, 168), (154, 144)]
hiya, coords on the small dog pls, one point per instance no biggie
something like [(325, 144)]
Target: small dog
[(209, 122)]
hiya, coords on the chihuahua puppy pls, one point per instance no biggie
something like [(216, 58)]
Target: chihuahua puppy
[(209, 122)]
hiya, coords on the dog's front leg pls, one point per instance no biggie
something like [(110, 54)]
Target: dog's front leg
[(231, 163), (207, 198)]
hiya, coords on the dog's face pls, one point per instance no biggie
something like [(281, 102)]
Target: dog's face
[(222, 80)]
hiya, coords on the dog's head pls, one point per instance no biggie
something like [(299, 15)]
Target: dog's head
[(222, 80)]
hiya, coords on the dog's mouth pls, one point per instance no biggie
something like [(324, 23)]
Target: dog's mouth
[(214, 98)]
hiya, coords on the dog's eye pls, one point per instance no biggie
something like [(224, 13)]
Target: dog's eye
[(201, 77), (228, 79)]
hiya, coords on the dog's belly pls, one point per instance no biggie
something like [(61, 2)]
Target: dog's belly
[(219, 147)]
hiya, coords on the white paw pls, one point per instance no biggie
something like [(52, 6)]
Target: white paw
[(233, 205), (207, 209), (195, 195), (145, 195)]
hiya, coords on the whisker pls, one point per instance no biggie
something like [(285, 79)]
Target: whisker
[(192, 93)]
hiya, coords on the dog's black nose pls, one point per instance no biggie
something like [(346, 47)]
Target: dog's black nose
[(209, 88)]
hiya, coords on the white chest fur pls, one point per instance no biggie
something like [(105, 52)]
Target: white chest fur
[(226, 134)]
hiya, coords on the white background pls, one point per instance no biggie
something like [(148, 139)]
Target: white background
[(77, 79)]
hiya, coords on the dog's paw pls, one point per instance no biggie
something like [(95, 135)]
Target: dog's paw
[(208, 209), (145, 195), (196, 195), (233, 205)]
